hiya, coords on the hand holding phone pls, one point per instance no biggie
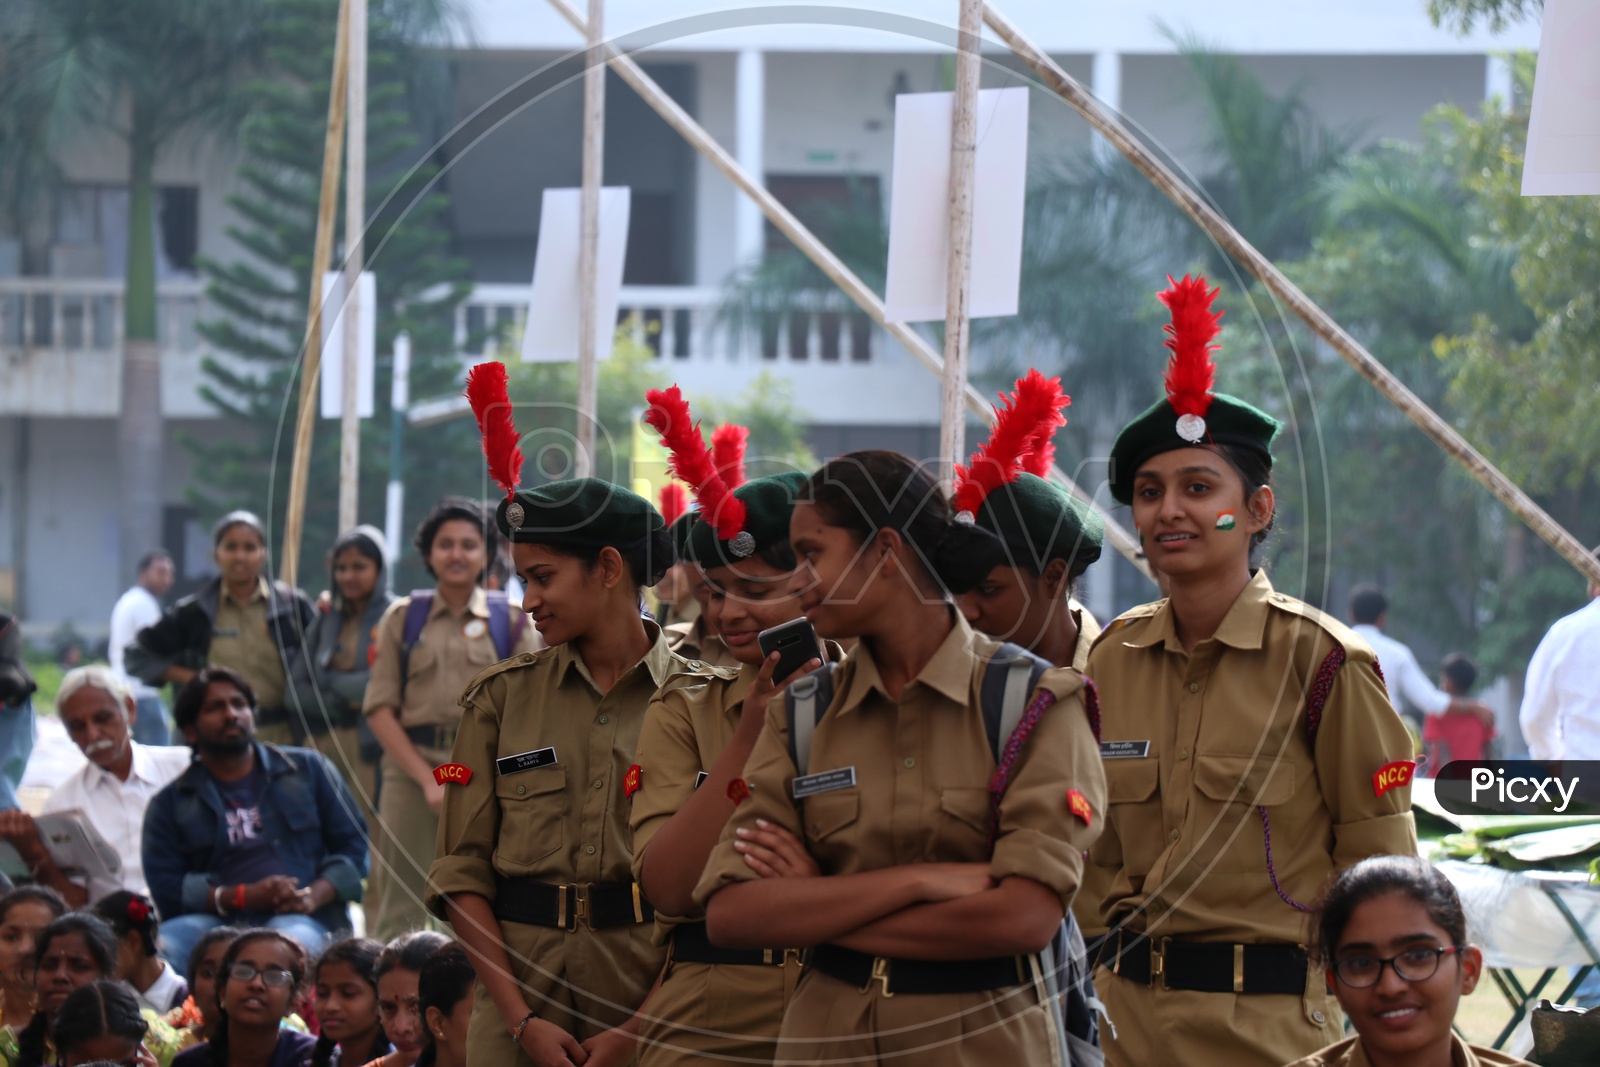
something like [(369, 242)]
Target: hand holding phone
[(796, 644)]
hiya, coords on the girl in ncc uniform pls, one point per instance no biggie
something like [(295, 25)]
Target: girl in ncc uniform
[(534, 857), (713, 1002), (1250, 746), (943, 874)]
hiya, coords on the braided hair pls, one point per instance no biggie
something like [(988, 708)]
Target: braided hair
[(102, 945), (217, 1055), (99, 1009), (360, 954), (445, 981), (127, 912)]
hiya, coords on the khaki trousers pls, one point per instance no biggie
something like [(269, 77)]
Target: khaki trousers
[(703, 1010), (403, 850), (831, 1021), (1156, 1026)]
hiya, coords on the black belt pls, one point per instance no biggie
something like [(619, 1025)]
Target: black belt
[(443, 737), (691, 945), (597, 905), (919, 976), (1204, 966)]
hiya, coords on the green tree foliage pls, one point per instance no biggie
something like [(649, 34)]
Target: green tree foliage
[(767, 409), (255, 380), (1463, 15)]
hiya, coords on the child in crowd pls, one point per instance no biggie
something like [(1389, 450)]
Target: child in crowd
[(101, 1022), (132, 919), (396, 974), (1392, 938), (347, 1005), (444, 992), (24, 913), (258, 985), (1455, 735), (196, 1020)]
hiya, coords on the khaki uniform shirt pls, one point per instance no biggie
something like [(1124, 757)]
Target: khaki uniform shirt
[(922, 774), (692, 640), (451, 649), (1227, 776), (1349, 1053), (240, 640)]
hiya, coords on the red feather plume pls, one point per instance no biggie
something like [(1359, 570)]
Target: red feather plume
[(1029, 414), (1190, 373), (692, 461), (728, 443), (674, 502), (1041, 449), (488, 391)]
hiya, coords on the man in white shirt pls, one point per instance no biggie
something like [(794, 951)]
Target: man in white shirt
[(112, 789), (1401, 672), (139, 607), (1561, 701)]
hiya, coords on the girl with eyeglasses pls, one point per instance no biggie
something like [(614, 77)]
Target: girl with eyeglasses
[(101, 1023), (1392, 940), (257, 988)]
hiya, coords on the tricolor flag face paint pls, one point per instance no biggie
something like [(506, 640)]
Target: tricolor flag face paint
[(1226, 521)]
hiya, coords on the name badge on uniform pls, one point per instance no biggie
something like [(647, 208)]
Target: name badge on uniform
[(224, 631), (526, 761), (700, 779), (1124, 749), (809, 785)]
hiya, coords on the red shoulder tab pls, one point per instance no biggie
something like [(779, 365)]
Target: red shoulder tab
[(458, 773), (632, 781)]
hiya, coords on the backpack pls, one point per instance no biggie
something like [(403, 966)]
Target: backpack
[(501, 626), (1008, 680)]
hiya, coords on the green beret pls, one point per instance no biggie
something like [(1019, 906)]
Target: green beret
[(1229, 421), (579, 512), (1040, 522), (767, 504)]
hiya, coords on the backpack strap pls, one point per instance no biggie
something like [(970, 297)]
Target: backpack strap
[(806, 701), (411, 632), (500, 621), (1011, 675)]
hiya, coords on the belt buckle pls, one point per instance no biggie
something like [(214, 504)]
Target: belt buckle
[(583, 912), (1158, 962), (880, 973), (795, 956)]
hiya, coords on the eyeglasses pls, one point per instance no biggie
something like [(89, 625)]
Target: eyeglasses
[(1414, 965), (276, 977)]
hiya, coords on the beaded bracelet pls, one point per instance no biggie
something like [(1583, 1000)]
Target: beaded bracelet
[(516, 1033)]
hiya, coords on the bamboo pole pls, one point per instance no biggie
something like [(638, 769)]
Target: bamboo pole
[(857, 290), (322, 251), (1106, 123), (355, 224), (958, 264), (594, 148)]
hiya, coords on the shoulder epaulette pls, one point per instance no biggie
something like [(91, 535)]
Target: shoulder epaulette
[(517, 662), (1343, 636)]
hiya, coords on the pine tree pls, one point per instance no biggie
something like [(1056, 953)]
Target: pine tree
[(263, 297)]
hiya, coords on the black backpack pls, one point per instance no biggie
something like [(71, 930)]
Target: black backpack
[(1008, 680)]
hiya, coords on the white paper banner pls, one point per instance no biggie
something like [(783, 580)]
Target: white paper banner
[(919, 212), (552, 330), (334, 305), (1563, 157)]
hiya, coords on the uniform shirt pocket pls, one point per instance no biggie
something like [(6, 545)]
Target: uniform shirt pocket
[(1231, 788), (1134, 811), (963, 822), (831, 823), (533, 812)]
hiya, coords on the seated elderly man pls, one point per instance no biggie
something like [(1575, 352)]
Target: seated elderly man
[(112, 789), (251, 834)]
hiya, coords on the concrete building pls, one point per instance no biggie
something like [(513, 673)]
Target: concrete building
[(801, 94)]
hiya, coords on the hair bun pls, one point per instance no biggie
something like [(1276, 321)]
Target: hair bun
[(964, 557)]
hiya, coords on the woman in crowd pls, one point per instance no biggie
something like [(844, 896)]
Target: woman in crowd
[(1392, 941), (257, 987), (429, 645), (395, 974), (101, 1021), (24, 914), (444, 990), (328, 682), (537, 812), (347, 1005), (132, 919), (199, 1015), (1251, 746), (239, 619), (944, 870)]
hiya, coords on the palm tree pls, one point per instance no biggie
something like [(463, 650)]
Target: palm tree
[(146, 72)]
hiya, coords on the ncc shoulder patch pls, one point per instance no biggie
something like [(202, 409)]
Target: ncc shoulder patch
[(1078, 804), (632, 781), (1392, 776), (448, 773)]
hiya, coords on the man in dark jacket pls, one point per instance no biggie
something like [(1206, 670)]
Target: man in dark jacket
[(16, 711), (250, 834)]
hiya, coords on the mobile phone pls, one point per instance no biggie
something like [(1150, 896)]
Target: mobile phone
[(795, 642)]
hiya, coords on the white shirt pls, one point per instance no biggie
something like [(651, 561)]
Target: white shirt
[(158, 998), (116, 809), (136, 609), (1402, 672), (1561, 702)]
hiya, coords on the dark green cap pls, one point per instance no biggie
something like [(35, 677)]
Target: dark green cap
[(1228, 421), (1040, 522), (583, 512), (768, 503)]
